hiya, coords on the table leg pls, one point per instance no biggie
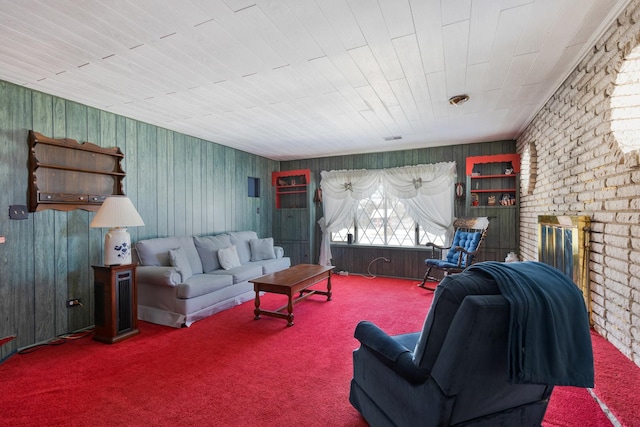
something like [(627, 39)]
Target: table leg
[(257, 303), (329, 287), (290, 310)]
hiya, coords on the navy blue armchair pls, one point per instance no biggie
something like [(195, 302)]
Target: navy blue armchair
[(453, 372), (497, 338)]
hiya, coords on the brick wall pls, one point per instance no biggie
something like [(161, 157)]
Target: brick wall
[(577, 168)]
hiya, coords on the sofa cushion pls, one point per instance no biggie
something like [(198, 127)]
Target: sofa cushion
[(272, 265), (156, 251), (262, 249), (228, 258), (241, 240), (201, 284), (208, 247), (243, 273), (178, 259)]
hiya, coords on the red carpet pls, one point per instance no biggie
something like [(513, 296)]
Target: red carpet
[(232, 370)]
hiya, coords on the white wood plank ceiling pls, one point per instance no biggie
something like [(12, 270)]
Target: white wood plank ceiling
[(288, 79)]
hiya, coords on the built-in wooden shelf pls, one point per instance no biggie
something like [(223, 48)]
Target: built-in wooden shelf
[(66, 175), (291, 188)]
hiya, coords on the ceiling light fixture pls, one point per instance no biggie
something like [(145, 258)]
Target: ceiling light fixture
[(458, 99)]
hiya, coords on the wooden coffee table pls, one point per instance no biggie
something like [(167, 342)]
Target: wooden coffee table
[(288, 282)]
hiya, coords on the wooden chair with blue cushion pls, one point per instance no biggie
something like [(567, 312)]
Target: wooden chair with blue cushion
[(467, 240)]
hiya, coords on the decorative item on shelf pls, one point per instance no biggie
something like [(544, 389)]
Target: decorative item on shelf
[(491, 201), (508, 171), (512, 200), (474, 199), (281, 182), (117, 213), (505, 200)]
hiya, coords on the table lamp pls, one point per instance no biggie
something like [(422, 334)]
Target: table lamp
[(117, 213)]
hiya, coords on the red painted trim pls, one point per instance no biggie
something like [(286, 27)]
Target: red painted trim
[(494, 158), (276, 175)]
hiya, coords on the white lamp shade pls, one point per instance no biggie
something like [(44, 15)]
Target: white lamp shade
[(117, 212)]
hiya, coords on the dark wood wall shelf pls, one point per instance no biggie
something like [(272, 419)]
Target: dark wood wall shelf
[(66, 175)]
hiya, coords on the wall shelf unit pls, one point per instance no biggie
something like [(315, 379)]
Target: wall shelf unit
[(486, 178), (292, 227), (291, 188), (66, 175), (493, 181)]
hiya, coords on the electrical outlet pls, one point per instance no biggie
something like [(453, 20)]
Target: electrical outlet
[(73, 302)]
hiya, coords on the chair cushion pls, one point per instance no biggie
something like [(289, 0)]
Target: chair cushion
[(440, 263), (468, 240), (448, 297)]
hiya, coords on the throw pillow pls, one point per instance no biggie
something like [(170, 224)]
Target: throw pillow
[(262, 249), (208, 247), (241, 241), (178, 259), (228, 258)]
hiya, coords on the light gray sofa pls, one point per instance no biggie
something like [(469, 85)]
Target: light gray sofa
[(181, 279)]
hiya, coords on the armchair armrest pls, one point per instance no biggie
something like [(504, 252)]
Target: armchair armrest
[(434, 246), (157, 275), (394, 355)]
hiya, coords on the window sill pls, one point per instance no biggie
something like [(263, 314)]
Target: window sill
[(387, 247)]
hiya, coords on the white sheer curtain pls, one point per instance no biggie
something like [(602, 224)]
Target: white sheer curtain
[(426, 191), (341, 192)]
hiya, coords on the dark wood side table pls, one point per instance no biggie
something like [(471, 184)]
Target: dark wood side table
[(116, 302)]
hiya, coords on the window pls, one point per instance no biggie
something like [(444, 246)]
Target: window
[(382, 219), (625, 107)]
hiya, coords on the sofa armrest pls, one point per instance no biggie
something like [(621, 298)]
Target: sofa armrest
[(393, 354), (158, 275), (279, 251)]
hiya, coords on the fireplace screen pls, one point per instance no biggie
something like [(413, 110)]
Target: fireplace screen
[(563, 243)]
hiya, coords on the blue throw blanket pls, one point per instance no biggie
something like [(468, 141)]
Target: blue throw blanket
[(549, 337)]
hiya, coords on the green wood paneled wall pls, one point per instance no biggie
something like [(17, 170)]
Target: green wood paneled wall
[(408, 263), (181, 185)]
